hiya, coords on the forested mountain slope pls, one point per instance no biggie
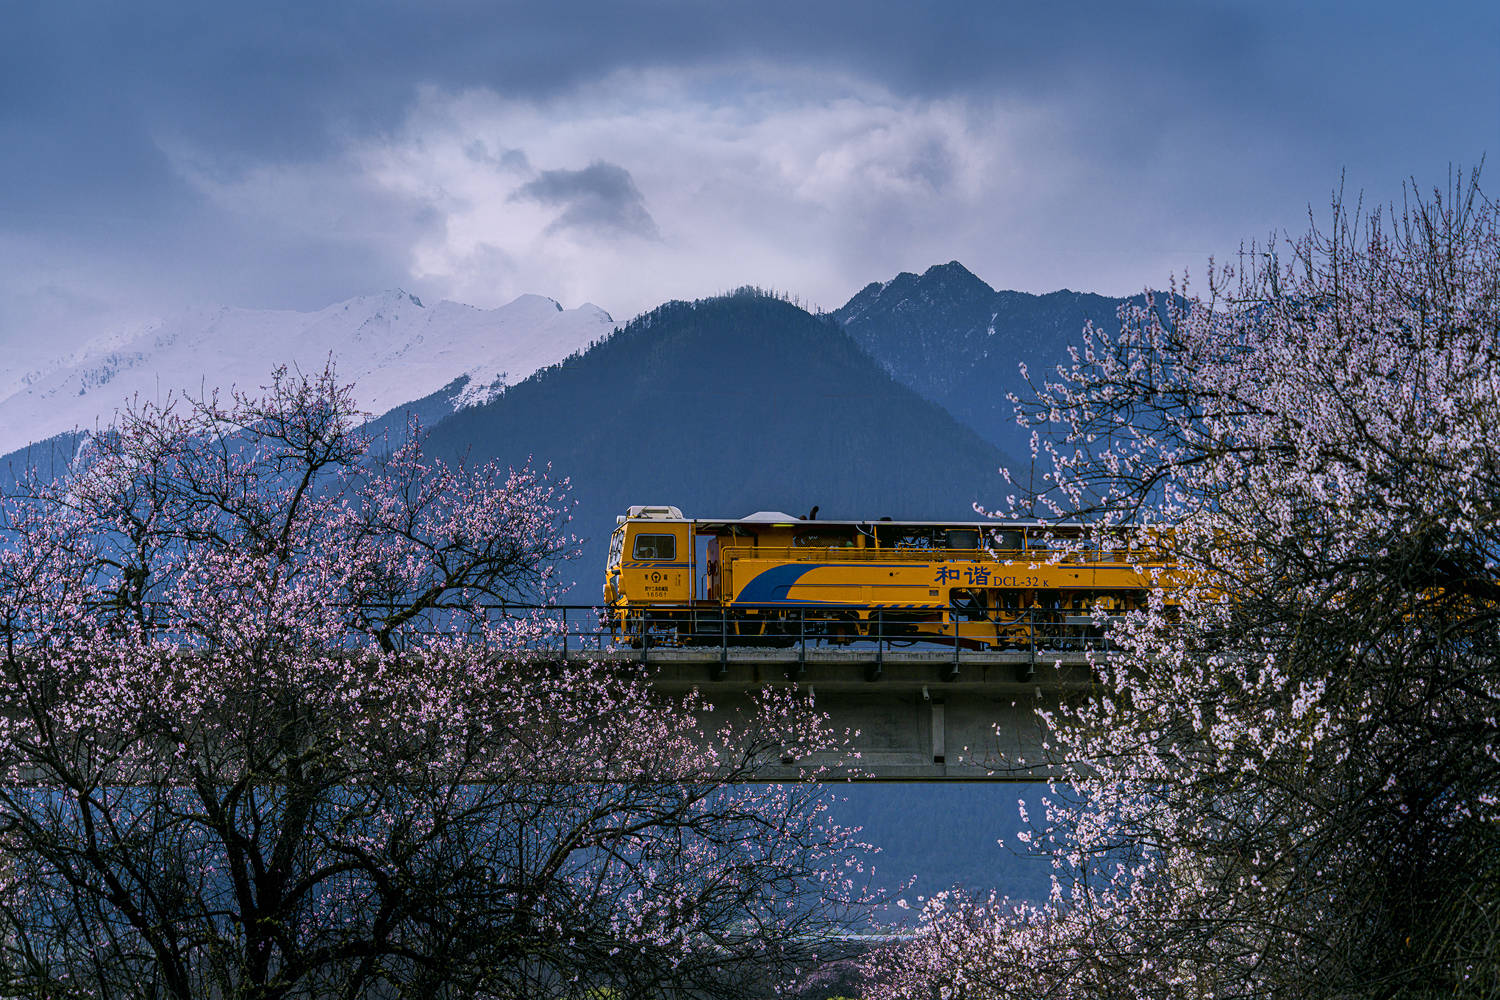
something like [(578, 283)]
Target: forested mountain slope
[(960, 343)]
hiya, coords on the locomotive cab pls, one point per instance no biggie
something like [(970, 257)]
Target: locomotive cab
[(650, 558)]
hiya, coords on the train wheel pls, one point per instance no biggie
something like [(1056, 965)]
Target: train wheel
[(781, 633), (842, 628)]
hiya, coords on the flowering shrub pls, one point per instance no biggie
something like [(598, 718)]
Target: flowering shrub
[(1287, 783), (259, 737)]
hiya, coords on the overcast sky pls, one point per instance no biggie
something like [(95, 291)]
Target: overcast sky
[(291, 155)]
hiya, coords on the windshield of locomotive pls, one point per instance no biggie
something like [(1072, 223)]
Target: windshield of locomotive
[(616, 548)]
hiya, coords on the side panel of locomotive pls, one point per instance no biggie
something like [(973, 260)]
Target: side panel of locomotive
[(979, 585)]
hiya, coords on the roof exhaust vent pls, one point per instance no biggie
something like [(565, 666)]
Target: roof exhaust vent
[(661, 513)]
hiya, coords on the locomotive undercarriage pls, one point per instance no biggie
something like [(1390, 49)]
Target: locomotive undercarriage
[(967, 624)]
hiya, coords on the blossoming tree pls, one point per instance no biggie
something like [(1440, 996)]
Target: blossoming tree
[(1287, 783), (258, 738)]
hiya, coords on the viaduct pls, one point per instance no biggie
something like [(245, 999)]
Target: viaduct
[(929, 714)]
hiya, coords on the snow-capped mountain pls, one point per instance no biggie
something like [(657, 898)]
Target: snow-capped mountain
[(391, 346)]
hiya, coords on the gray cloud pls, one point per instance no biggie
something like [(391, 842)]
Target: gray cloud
[(81, 98), (601, 198), (507, 159)]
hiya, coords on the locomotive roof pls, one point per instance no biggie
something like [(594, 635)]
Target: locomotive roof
[(776, 519), (801, 522)]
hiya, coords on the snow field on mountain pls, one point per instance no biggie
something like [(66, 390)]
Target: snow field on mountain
[(390, 346)]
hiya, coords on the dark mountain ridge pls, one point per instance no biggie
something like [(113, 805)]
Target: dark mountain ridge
[(958, 342)]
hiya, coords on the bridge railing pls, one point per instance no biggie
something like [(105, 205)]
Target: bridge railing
[(799, 630), (795, 630)]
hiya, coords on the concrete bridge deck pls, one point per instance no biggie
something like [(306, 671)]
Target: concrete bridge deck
[(929, 714)]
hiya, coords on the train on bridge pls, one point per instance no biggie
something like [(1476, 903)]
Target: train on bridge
[(773, 579)]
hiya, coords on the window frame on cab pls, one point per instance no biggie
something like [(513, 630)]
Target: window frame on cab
[(655, 537)]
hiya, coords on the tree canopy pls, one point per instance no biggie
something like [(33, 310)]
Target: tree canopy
[(260, 737), (1287, 781)]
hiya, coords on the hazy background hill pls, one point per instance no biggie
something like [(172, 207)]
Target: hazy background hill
[(727, 406)]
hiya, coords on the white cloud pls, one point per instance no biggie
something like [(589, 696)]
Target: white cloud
[(650, 185), (814, 185)]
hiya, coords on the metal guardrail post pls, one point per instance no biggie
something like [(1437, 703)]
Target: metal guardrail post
[(1028, 670), (801, 641), (953, 670), (879, 667), (723, 643)]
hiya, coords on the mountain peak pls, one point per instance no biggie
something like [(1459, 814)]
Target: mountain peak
[(951, 282), (389, 297), (544, 303), (960, 343), (807, 418), (589, 307), (955, 275)]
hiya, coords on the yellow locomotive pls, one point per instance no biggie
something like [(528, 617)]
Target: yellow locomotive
[(774, 579)]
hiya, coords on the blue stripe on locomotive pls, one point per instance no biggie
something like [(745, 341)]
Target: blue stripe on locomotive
[(772, 586)]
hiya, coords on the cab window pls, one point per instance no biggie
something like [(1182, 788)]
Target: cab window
[(655, 547)]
